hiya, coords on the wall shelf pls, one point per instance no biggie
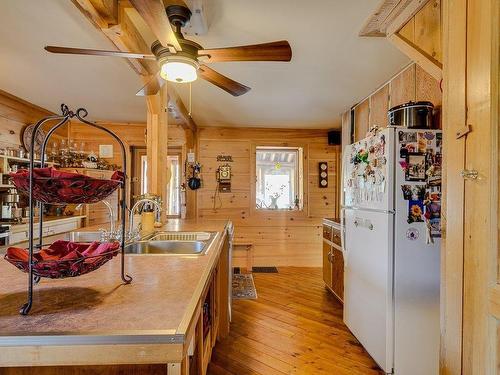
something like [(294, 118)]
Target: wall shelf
[(16, 158)]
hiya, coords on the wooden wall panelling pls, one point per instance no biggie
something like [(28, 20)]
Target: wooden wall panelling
[(323, 202), (279, 237), (428, 29), (361, 119), (15, 114), (379, 105), (402, 87), (408, 31), (420, 37)]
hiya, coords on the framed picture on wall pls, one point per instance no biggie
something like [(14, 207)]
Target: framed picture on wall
[(105, 151)]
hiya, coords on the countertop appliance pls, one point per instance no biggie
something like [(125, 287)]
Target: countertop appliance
[(415, 115), (391, 217), (4, 234)]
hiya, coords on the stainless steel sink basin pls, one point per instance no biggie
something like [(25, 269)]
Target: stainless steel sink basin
[(83, 236), (179, 236), (167, 247)]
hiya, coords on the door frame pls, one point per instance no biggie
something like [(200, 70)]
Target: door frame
[(470, 283)]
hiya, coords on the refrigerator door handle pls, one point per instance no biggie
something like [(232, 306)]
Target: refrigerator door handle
[(342, 235)]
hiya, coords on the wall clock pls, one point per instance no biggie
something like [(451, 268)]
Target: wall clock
[(28, 136)]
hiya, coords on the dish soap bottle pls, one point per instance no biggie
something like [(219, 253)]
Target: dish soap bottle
[(147, 219)]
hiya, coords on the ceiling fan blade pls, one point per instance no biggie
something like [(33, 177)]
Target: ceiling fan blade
[(98, 52), (153, 12), (274, 51), (152, 87), (219, 80)]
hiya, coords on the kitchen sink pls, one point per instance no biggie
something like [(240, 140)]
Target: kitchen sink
[(179, 236), (167, 247)]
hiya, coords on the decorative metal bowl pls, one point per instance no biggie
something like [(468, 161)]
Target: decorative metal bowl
[(58, 187), (61, 268)]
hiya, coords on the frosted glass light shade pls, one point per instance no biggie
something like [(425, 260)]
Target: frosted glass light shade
[(178, 71)]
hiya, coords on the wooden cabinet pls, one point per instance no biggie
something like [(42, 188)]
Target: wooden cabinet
[(327, 264), (20, 233), (379, 105), (346, 129), (361, 119), (333, 261), (337, 265)]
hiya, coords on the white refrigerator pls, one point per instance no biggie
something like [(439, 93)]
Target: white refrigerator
[(391, 215)]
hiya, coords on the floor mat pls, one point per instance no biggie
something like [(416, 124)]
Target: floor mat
[(244, 287), (265, 269)]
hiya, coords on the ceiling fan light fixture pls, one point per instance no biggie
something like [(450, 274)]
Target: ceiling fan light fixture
[(179, 70)]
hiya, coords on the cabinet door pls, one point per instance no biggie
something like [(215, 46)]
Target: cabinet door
[(327, 232), (346, 129), (338, 273), (402, 87), (379, 105), (361, 120), (327, 265)]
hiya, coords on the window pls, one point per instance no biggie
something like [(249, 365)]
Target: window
[(173, 187), (279, 178), (144, 174)]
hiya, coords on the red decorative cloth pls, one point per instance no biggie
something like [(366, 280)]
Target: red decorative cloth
[(64, 258), (53, 186)]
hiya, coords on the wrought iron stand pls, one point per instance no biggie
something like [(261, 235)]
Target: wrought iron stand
[(62, 119)]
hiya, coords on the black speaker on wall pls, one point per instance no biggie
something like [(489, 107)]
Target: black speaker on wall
[(335, 137)]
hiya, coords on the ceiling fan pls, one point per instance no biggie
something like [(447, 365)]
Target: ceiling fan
[(183, 60)]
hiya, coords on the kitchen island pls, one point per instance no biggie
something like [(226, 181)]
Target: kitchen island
[(157, 321)]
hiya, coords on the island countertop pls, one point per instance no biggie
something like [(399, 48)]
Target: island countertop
[(97, 308)]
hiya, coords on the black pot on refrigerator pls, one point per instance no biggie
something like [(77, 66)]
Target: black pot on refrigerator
[(413, 115)]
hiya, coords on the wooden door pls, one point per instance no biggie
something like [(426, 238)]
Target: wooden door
[(470, 283), (338, 272)]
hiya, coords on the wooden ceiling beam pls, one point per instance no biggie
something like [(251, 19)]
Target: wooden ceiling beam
[(178, 110), (390, 16), (116, 33), (126, 37)]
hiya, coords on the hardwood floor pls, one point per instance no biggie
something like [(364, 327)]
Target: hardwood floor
[(294, 327)]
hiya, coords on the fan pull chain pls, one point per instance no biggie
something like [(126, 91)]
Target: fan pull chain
[(190, 100)]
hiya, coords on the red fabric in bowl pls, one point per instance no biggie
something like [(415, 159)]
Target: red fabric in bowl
[(64, 258), (53, 186)]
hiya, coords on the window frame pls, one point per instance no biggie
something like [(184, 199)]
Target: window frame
[(300, 173)]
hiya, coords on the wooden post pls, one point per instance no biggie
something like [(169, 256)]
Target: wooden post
[(156, 146), (454, 120), (190, 194)]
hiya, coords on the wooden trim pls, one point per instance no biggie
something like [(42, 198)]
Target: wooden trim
[(304, 211), (429, 64), (22, 356), (454, 119)]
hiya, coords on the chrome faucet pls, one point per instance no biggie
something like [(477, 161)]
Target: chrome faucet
[(111, 234), (132, 233)]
